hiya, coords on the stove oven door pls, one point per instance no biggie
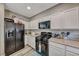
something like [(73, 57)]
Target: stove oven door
[(44, 49)]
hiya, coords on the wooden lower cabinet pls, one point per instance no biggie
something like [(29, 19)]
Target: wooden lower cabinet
[(55, 51)]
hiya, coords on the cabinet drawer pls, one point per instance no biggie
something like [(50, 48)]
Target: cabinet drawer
[(51, 51), (71, 54), (57, 45), (72, 49)]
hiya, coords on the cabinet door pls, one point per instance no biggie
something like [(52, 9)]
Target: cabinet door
[(55, 51), (51, 51), (32, 24), (33, 42), (56, 21), (72, 49), (71, 20), (29, 25), (66, 20), (26, 39), (71, 54), (26, 25), (59, 51), (46, 18), (35, 24)]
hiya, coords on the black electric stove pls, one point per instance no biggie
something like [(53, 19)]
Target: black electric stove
[(42, 43)]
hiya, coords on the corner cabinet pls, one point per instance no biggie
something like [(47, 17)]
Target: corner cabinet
[(68, 19)]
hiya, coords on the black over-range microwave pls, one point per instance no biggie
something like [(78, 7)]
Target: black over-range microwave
[(44, 25)]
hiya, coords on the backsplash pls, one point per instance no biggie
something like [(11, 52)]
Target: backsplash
[(73, 35)]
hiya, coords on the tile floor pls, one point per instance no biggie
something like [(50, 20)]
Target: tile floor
[(27, 51)]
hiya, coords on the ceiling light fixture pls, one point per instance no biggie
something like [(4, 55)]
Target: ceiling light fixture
[(28, 7)]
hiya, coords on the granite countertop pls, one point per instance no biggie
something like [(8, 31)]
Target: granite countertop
[(66, 42)]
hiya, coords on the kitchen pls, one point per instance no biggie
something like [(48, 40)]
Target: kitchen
[(50, 29)]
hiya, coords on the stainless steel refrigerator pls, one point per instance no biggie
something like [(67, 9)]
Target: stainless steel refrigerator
[(14, 36)]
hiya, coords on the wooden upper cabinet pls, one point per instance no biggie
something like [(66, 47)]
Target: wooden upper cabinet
[(66, 20)]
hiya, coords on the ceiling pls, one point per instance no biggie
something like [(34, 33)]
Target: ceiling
[(21, 8)]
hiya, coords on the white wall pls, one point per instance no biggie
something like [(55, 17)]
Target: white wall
[(2, 29), (9, 14)]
